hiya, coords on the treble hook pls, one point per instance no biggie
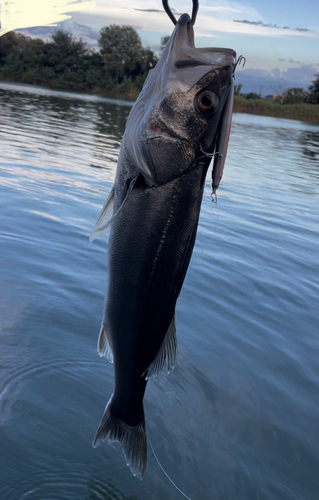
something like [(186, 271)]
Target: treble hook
[(240, 61), (173, 18)]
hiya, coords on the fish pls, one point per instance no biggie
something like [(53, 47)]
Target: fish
[(179, 123)]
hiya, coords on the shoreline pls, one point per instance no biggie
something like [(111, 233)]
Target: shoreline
[(265, 107), (308, 113)]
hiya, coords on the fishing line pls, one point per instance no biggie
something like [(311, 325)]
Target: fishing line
[(157, 460), (209, 155)]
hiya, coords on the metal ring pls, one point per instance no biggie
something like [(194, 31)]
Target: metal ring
[(169, 12), (194, 12), (173, 18)]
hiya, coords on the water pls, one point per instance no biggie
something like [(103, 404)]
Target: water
[(238, 418)]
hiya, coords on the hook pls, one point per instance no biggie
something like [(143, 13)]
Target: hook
[(240, 61), (173, 18)]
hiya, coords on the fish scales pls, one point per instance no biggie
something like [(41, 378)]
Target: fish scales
[(182, 113), (148, 262)]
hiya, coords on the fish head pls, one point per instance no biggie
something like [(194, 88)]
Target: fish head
[(176, 119)]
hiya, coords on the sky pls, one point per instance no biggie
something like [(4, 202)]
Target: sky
[(285, 30), (279, 39)]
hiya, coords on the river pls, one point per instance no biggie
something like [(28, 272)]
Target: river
[(238, 418)]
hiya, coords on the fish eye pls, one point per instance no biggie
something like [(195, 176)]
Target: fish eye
[(207, 101)]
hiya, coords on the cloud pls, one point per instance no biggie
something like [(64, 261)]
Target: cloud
[(211, 20), (256, 80), (222, 9), (79, 30), (304, 74), (26, 14), (160, 11), (150, 10), (269, 25), (255, 23)]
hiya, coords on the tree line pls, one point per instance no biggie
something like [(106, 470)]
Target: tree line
[(294, 95), (65, 62), (118, 68)]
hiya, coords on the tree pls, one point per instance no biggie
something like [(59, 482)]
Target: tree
[(9, 41), (164, 41), (21, 57), (66, 53), (149, 60), (280, 94), (313, 90), (294, 95), (66, 63), (252, 95), (121, 49), (237, 88)]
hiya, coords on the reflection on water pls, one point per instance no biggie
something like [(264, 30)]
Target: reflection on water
[(310, 142), (238, 418)]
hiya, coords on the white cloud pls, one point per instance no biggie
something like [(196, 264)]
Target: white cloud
[(210, 19), (227, 26), (17, 14), (274, 81)]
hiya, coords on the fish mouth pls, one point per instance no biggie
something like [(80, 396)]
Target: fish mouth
[(184, 32), (186, 63), (187, 55)]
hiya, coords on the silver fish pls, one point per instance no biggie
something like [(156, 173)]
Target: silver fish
[(179, 122)]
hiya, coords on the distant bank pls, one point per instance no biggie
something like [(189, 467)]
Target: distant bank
[(119, 69), (261, 106), (266, 107)]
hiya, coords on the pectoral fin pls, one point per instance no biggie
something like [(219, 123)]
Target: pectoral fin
[(107, 215), (222, 140)]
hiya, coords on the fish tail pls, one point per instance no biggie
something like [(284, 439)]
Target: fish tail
[(132, 438)]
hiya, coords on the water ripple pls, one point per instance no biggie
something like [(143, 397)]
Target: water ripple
[(238, 418)]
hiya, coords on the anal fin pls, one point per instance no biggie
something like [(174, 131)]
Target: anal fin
[(165, 359)]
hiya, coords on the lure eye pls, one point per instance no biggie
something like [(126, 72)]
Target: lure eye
[(207, 101)]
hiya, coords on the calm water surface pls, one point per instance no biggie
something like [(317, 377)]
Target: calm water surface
[(239, 416)]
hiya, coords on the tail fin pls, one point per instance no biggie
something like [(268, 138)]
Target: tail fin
[(131, 438)]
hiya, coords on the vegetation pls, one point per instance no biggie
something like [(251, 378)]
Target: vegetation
[(164, 41), (293, 103), (123, 54), (313, 96), (119, 69), (266, 107)]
